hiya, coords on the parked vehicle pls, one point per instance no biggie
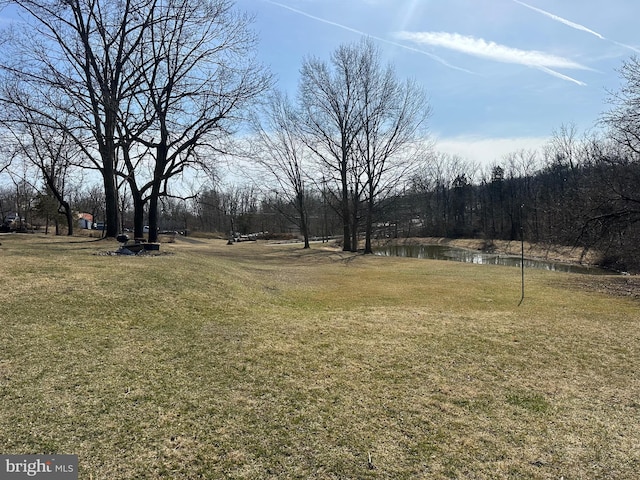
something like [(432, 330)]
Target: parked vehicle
[(11, 217), (13, 223)]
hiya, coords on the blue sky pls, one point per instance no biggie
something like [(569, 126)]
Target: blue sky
[(501, 74)]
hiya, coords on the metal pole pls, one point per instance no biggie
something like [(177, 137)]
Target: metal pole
[(521, 254)]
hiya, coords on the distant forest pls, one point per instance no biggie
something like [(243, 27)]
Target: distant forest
[(580, 192)]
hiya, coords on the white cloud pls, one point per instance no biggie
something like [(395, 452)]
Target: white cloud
[(490, 50), (359, 32), (487, 151), (481, 48)]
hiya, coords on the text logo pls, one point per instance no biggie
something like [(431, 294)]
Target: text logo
[(45, 467)]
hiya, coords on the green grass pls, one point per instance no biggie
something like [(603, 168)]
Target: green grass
[(259, 361)]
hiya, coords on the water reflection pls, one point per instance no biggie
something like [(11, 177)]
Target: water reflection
[(444, 252)]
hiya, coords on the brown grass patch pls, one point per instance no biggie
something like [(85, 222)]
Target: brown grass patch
[(269, 361)]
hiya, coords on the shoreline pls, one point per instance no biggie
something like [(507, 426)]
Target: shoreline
[(625, 285), (534, 251)]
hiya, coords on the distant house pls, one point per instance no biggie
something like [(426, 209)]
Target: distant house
[(85, 220)]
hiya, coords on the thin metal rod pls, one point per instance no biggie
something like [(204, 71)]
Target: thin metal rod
[(521, 254)]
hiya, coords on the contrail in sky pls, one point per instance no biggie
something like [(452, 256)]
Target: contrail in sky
[(380, 39), (479, 47), (561, 76), (571, 24)]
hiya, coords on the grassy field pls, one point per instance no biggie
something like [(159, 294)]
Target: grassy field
[(266, 361)]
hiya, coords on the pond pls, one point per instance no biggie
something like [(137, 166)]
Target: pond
[(445, 252)]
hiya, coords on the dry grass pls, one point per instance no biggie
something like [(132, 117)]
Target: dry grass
[(263, 361)]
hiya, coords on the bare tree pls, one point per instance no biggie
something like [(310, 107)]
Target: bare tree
[(365, 126), (393, 135), (620, 166), (282, 153), (155, 82), (24, 195), (50, 151), (623, 118), (202, 76), (78, 54), (330, 118)]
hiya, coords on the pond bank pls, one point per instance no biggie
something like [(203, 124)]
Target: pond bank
[(534, 251), (617, 285)]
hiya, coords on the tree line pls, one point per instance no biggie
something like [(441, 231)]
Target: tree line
[(577, 190), (149, 96)]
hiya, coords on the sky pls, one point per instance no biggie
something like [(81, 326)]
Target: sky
[(501, 75)]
